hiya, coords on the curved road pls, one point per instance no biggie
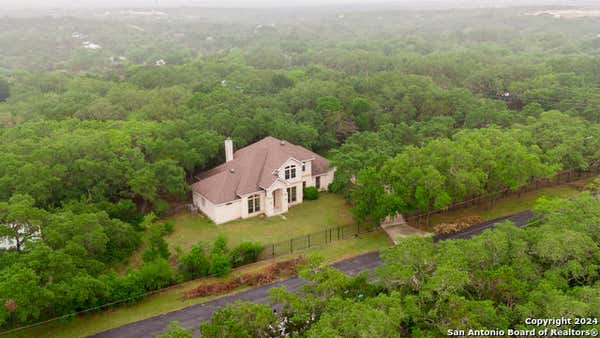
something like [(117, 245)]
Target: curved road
[(193, 315)]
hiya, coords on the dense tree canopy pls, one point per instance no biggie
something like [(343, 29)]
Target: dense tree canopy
[(416, 110), (494, 280)]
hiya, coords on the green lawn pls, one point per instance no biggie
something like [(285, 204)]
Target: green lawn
[(171, 299), (328, 211), (509, 205)]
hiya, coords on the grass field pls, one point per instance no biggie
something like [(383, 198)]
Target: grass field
[(171, 299), (509, 205), (310, 216), (328, 211)]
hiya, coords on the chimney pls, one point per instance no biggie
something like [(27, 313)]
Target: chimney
[(228, 149)]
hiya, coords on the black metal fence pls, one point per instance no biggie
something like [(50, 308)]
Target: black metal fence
[(314, 239), (566, 176)]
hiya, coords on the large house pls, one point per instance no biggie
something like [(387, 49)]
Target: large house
[(266, 177)]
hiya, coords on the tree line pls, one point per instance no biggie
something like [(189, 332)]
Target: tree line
[(440, 107), (408, 178), (493, 281)]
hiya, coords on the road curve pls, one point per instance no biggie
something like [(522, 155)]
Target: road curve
[(192, 316), (521, 219)]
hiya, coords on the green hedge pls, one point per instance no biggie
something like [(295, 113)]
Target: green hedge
[(311, 193)]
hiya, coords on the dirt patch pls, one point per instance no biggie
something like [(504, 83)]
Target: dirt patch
[(461, 224), (265, 276)]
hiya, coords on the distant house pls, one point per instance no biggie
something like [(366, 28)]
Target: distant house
[(266, 177), (90, 45)]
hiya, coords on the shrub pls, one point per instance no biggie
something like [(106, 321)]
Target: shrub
[(245, 253), (311, 193), (241, 319), (174, 330), (124, 287), (125, 210), (195, 263), (168, 227), (220, 245), (160, 207), (155, 275), (219, 264), (157, 246)]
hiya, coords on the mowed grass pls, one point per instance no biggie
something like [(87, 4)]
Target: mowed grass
[(509, 205), (172, 299), (328, 211)]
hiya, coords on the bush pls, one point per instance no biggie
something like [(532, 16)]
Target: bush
[(220, 245), (155, 275), (157, 246), (124, 287), (168, 227), (125, 210), (311, 193), (241, 319), (245, 253), (160, 207), (220, 264), (174, 330), (195, 263)]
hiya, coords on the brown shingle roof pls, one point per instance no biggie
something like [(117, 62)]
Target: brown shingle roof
[(252, 169)]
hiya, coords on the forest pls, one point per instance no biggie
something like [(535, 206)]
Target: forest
[(491, 282), (415, 109)]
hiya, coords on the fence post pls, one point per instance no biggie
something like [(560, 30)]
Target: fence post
[(309, 240), (291, 245), (273, 250)]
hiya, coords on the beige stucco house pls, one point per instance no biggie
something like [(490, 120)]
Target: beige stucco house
[(266, 177)]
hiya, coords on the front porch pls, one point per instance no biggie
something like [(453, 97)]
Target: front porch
[(276, 201)]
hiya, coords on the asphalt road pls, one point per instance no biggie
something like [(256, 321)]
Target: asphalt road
[(521, 219), (193, 315)]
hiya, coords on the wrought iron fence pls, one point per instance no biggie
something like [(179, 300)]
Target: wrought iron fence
[(314, 239), (562, 177)]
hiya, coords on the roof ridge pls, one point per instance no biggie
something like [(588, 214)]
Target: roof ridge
[(262, 167), (253, 169)]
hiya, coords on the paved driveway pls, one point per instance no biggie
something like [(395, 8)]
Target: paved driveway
[(193, 315)]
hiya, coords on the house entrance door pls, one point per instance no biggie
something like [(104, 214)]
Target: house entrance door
[(277, 200)]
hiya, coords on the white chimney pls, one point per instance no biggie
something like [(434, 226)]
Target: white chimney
[(228, 149)]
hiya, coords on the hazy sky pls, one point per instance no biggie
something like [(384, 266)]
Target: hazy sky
[(20, 4)]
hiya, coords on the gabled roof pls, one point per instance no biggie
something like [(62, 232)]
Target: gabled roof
[(252, 169)]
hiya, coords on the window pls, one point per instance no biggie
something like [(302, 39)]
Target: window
[(318, 182), (290, 172), (304, 185), (292, 195), (303, 167), (253, 204)]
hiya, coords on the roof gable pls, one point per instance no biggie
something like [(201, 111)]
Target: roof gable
[(252, 168)]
